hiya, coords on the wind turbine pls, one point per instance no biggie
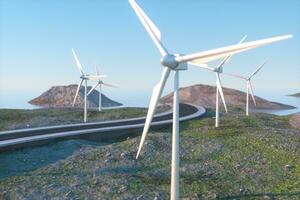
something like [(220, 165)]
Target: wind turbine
[(84, 77), (177, 62), (248, 85), (219, 91), (99, 84)]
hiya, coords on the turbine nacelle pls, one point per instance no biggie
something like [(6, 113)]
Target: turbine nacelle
[(92, 77), (218, 70), (100, 82), (170, 62), (84, 76)]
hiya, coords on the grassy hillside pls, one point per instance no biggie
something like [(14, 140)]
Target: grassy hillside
[(255, 157), (15, 119)]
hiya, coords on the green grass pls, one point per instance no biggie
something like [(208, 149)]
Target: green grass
[(255, 157), (16, 119)]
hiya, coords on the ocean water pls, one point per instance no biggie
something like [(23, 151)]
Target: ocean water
[(19, 99), (280, 96)]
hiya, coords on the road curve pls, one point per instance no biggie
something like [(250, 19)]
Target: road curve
[(96, 131)]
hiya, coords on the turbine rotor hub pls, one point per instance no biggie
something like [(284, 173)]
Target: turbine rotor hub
[(169, 61)]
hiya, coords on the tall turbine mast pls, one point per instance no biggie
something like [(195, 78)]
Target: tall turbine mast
[(249, 87), (219, 91), (99, 84), (177, 62), (84, 78)]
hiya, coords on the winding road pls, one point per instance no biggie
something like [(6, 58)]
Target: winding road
[(96, 131)]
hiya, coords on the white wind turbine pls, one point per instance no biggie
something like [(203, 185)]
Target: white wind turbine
[(176, 62), (99, 84), (219, 91), (248, 85), (84, 77)]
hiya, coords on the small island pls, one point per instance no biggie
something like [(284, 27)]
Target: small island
[(63, 96), (295, 95), (205, 95)]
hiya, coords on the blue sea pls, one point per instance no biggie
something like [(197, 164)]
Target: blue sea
[(280, 96), (19, 99)]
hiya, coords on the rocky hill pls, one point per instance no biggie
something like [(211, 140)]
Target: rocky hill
[(62, 96), (205, 95)]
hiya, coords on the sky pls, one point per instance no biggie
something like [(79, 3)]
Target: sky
[(36, 38)]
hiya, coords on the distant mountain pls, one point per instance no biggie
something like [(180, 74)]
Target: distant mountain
[(205, 95), (295, 95), (62, 96)]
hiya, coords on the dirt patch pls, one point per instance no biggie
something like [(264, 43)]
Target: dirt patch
[(295, 121)]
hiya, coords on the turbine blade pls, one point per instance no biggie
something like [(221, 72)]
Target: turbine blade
[(207, 56), (204, 66), (157, 91), (243, 39), (251, 92), (95, 77), (91, 90), (219, 86), (109, 85), (97, 71), (79, 66), (78, 88), (227, 58), (152, 30), (236, 75), (255, 72)]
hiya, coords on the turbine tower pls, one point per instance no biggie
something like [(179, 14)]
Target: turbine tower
[(219, 91), (99, 84), (83, 78), (176, 63), (248, 85)]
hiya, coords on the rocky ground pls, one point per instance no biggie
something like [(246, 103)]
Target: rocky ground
[(255, 157)]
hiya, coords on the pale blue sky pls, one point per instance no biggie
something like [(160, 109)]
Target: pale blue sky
[(36, 38)]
